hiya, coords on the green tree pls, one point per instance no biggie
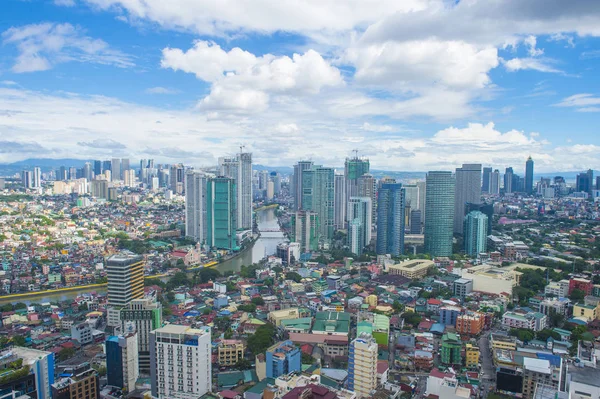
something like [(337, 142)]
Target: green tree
[(170, 296), (66, 353), (207, 274), (258, 300), (262, 339), (293, 276), (577, 295), (546, 333), (250, 307), (243, 364), (307, 359), (20, 305), (18, 340)]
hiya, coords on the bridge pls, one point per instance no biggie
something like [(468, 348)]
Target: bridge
[(269, 230)]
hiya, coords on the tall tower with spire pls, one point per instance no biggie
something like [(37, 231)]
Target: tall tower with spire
[(529, 176)]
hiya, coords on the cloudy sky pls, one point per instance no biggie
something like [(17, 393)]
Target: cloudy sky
[(414, 85)]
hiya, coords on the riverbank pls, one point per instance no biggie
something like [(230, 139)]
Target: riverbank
[(265, 207), (27, 295)]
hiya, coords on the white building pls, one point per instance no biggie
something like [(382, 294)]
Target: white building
[(532, 321), (146, 315), (583, 383), (559, 289), (195, 205), (239, 168), (41, 363), (82, 333), (362, 362), (180, 362)]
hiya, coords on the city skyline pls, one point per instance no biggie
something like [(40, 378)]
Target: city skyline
[(399, 81)]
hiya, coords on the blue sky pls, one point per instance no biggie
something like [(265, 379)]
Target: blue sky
[(414, 85)]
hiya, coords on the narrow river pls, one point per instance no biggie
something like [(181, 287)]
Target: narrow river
[(264, 246)]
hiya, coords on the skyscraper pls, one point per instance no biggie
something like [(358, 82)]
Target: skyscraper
[(585, 182), (296, 183), (125, 273), (37, 177), (176, 178), (27, 178), (362, 365), (305, 230), (508, 180), (486, 182), (122, 368), (124, 167), (495, 182), (468, 189), (439, 213), (97, 168), (415, 221), (339, 203), (359, 228), (318, 196), (146, 315), (422, 185), (390, 219), (239, 168), (115, 169), (195, 205), (367, 187), (221, 213), (353, 169), (475, 236), (181, 365), (529, 176)]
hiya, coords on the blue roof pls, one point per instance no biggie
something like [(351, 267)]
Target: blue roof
[(113, 338), (437, 328), (191, 313), (577, 321), (553, 359)]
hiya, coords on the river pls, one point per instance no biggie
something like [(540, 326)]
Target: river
[(265, 245)]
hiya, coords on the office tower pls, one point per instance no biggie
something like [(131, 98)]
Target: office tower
[(495, 182), (99, 188), (82, 383), (353, 169), (143, 164), (263, 179), (529, 176), (125, 273), (122, 368), (390, 219), (362, 365), (2, 184), (486, 182), (239, 168), (221, 213), (181, 364), (422, 185), (585, 182), (37, 177), (129, 178), (27, 178), (508, 180), (475, 233), (468, 189), (305, 230), (360, 225), (154, 183), (72, 173), (411, 193), (276, 179), (283, 358), (597, 182), (106, 165), (367, 187), (296, 184), (124, 167), (439, 213), (146, 315), (339, 202), (115, 169), (195, 205), (270, 190), (487, 210), (540, 372), (41, 370), (88, 171), (318, 196), (62, 173), (97, 168), (415, 221), (176, 177)]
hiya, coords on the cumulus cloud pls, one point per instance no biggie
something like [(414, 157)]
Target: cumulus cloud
[(536, 64), (41, 46)]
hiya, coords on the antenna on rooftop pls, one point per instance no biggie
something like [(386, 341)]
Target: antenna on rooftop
[(355, 151), (242, 148)]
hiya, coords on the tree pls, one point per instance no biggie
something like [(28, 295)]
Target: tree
[(577, 295), (18, 340), (262, 339), (293, 276), (250, 308), (20, 305), (546, 333), (258, 300), (207, 274), (523, 334), (307, 359), (277, 269), (170, 296), (243, 364), (411, 318), (66, 353), (222, 323)]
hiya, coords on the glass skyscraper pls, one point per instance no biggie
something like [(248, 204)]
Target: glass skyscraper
[(318, 195), (475, 236), (529, 176), (390, 219), (221, 213), (439, 213)]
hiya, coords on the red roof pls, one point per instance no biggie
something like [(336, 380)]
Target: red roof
[(433, 301), (382, 366), (229, 394), (438, 374)]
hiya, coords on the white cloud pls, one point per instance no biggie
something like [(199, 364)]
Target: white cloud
[(160, 90), (536, 64), (584, 102), (531, 42), (44, 45), (377, 128), (64, 3)]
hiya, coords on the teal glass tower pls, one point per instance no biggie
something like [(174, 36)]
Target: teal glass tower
[(439, 213), (475, 233), (221, 213), (390, 219)]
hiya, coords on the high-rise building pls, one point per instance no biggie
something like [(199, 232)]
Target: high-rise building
[(181, 364), (129, 177), (296, 183), (221, 213), (125, 274), (27, 178), (450, 351), (411, 192), (367, 187), (585, 182), (82, 383), (318, 196), (475, 233), (468, 189), (597, 182), (339, 203), (486, 182), (422, 185), (195, 205), (508, 180), (239, 168), (106, 165), (305, 230), (37, 177), (40, 364), (115, 169), (362, 365), (122, 368), (63, 174), (439, 213), (97, 168), (146, 315), (176, 178), (283, 358), (390, 219), (359, 229), (72, 173), (415, 221), (495, 182), (88, 171), (487, 209), (353, 169), (529, 176), (540, 372), (99, 188), (124, 167)]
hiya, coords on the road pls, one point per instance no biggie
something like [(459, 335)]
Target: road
[(488, 371)]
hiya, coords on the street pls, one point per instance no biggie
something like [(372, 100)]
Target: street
[(488, 372)]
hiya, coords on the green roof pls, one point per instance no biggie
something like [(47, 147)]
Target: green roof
[(260, 387), (331, 322)]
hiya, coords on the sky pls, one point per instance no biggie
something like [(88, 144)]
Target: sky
[(414, 85)]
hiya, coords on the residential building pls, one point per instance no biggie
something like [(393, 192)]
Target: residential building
[(296, 185), (449, 314), (503, 342), (176, 178), (557, 289), (277, 316), (122, 367), (475, 233), (536, 372), (125, 274), (354, 168), (359, 236), (582, 284), (41, 365), (390, 219), (535, 321), (468, 190), (77, 382), (283, 358), (450, 351), (221, 213), (82, 333), (583, 382), (472, 356), (362, 365), (339, 201), (146, 315), (195, 205), (439, 213), (305, 230), (239, 168), (463, 287), (230, 352), (318, 196), (181, 364), (412, 269), (470, 324), (555, 305), (585, 311)]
